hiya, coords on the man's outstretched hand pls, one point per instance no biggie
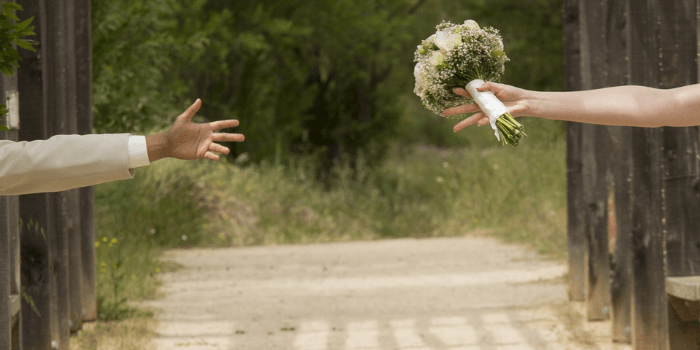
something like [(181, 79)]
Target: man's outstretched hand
[(188, 140)]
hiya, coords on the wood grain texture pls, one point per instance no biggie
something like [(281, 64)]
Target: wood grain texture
[(83, 57), (40, 327), (595, 164), (574, 198), (616, 45)]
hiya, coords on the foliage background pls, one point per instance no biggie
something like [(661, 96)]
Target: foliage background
[(337, 146), (319, 77)]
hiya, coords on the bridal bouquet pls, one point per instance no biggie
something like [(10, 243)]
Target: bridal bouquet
[(464, 55)]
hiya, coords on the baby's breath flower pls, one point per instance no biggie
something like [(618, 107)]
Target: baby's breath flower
[(454, 56)]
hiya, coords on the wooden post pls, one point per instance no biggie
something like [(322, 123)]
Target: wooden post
[(39, 319), (57, 105), (5, 319), (6, 314), (616, 37), (575, 207), (595, 164), (83, 57), (621, 287), (649, 307), (10, 96), (72, 212), (678, 67)]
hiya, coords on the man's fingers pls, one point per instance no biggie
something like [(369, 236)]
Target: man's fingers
[(211, 156), (190, 112), (215, 147), (471, 120), (226, 137), (223, 124), (466, 108), (462, 92)]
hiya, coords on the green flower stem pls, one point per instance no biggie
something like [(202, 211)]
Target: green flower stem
[(510, 130)]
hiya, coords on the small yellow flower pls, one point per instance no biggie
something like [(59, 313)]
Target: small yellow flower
[(204, 225), (110, 245), (97, 244), (103, 264), (247, 189), (104, 239), (133, 277), (114, 266), (114, 241), (103, 270), (157, 269), (222, 235)]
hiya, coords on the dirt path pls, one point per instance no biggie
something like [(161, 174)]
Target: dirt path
[(450, 293)]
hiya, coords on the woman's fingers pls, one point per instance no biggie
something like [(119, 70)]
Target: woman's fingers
[(471, 120), (462, 92), (483, 121), (490, 86), (463, 109)]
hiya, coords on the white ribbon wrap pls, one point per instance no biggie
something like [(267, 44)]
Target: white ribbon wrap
[(488, 102)]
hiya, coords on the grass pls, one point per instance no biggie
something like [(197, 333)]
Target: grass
[(133, 333), (517, 194)]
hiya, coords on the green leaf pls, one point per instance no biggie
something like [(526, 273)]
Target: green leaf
[(11, 6), (25, 44), (24, 24)]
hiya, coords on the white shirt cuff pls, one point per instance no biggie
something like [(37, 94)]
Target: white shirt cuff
[(138, 152)]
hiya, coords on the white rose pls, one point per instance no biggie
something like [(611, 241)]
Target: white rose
[(418, 73), (436, 59), (471, 24), (447, 41)]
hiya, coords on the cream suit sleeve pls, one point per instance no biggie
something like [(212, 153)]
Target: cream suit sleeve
[(63, 162)]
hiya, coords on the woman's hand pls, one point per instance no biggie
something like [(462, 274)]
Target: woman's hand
[(513, 98), (188, 140)]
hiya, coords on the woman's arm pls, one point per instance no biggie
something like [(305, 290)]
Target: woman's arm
[(621, 105)]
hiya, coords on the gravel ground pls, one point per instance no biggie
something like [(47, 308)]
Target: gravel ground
[(466, 293)]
